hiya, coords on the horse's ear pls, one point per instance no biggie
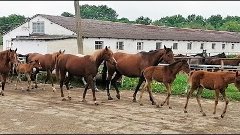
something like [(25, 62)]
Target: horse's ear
[(16, 50), (106, 48), (60, 51), (63, 51), (165, 47), (236, 73)]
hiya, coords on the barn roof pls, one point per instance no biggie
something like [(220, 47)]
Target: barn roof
[(44, 37), (106, 29)]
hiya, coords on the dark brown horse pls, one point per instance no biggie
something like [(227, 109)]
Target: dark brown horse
[(234, 62), (27, 69), (48, 63), (86, 66), (8, 58), (217, 81), (132, 65), (164, 74)]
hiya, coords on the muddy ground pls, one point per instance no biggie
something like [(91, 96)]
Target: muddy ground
[(42, 111)]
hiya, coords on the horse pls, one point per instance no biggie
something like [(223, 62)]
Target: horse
[(86, 67), (217, 81), (212, 59), (8, 58), (27, 69), (131, 65), (234, 62), (166, 75), (48, 63)]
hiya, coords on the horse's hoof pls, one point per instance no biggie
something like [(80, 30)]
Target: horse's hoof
[(118, 96), (170, 107), (222, 116), (96, 103), (214, 112), (185, 111), (162, 104), (158, 106), (134, 100), (153, 103), (70, 98), (204, 114), (28, 89), (64, 99), (110, 98), (96, 90), (84, 100), (141, 104), (36, 86)]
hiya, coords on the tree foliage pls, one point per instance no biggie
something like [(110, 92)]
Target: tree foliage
[(143, 20), (67, 14), (9, 22)]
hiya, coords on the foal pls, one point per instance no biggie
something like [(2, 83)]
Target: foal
[(217, 81), (164, 74), (27, 69)]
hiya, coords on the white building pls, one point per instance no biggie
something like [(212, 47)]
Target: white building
[(47, 34)]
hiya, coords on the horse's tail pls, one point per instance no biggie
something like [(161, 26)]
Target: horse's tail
[(57, 70)]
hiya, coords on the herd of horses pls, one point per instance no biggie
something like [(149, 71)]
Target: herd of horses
[(142, 65)]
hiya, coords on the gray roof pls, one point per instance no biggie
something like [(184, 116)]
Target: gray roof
[(44, 37), (107, 29)]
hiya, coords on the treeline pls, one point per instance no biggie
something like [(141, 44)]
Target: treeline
[(103, 12)]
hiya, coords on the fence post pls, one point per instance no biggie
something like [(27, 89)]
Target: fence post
[(222, 64)]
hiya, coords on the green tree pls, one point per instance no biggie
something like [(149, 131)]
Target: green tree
[(215, 20), (7, 23), (143, 20), (67, 14), (101, 12), (232, 26), (173, 21)]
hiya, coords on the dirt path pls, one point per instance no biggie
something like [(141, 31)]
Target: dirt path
[(42, 111)]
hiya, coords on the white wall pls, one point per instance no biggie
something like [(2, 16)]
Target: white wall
[(26, 29), (69, 45), (35, 46)]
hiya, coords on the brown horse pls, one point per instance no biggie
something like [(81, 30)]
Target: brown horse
[(86, 67), (234, 62), (8, 58), (217, 81), (48, 63), (164, 74), (132, 65), (27, 69)]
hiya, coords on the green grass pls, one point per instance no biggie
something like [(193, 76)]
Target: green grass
[(179, 86)]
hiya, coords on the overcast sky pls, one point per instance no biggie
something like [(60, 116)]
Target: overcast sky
[(129, 9)]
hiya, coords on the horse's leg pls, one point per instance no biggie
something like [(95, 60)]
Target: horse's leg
[(114, 82), (67, 80), (140, 81), (216, 100), (94, 84), (91, 84), (142, 91), (29, 81), (62, 78), (226, 102), (83, 80), (4, 78), (168, 86), (189, 94), (51, 79), (198, 97), (85, 91), (108, 84), (151, 94), (18, 80)]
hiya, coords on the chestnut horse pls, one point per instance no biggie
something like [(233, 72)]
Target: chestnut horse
[(86, 67), (217, 81), (164, 74), (8, 58), (132, 65), (27, 69), (227, 62), (48, 63)]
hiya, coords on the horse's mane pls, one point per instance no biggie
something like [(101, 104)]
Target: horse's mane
[(149, 52), (96, 54), (176, 62)]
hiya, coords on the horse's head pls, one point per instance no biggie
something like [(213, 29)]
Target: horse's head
[(223, 55), (185, 66), (57, 54), (168, 55), (237, 81), (107, 55), (36, 64), (12, 55)]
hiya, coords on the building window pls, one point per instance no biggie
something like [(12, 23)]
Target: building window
[(202, 46), (213, 45), (98, 45), (38, 27), (158, 45), (175, 46), (223, 46), (139, 45), (232, 46), (189, 46), (120, 46)]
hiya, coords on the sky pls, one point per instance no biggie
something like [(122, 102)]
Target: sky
[(129, 9)]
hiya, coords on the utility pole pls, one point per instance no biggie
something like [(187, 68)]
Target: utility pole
[(78, 27)]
